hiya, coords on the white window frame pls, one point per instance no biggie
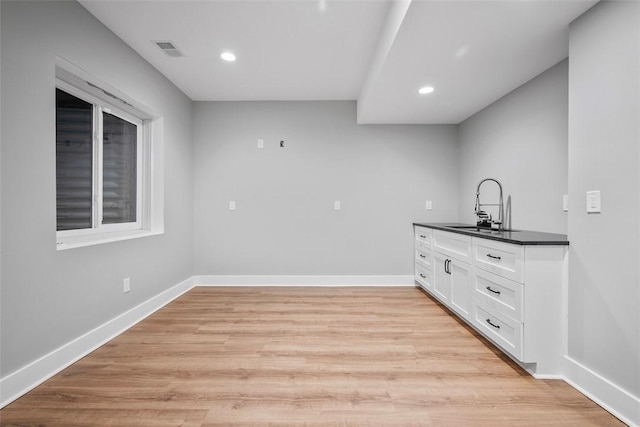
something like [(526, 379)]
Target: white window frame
[(98, 204), (149, 159)]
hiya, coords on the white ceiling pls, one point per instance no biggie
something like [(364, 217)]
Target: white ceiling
[(377, 52)]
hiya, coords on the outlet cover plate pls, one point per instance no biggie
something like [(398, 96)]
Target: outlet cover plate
[(594, 204)]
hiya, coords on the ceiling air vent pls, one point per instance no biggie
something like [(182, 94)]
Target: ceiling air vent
[(169, 49)]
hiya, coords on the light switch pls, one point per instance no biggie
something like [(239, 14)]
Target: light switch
[(593, 202), (428, 205), (261, 143), (565, 203), (337, 205), (232, 205)]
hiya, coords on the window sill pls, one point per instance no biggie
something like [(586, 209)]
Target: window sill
[(71, 242)]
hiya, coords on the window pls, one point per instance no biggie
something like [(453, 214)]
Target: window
[(104, 185)]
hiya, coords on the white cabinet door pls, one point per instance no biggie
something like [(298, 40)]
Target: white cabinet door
[(461, 290), (441, 277)]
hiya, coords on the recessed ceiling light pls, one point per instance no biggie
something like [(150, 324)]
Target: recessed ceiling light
[(228, 56), (425, 90)]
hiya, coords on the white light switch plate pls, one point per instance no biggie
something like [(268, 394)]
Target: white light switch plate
[(565, 203), (232, 205), (126, 285), (593, 202), (261, 143), (428, 205), (337, 205)]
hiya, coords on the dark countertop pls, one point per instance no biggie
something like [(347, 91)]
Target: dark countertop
[(518, 237)]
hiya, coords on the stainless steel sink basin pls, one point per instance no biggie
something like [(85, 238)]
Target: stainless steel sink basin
[(481, 230)]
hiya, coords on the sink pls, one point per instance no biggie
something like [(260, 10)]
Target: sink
[(480, 230)]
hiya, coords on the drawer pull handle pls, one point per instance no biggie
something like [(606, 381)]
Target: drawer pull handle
[(491, 290), (423, 236), (493, 324), (423, 276), (494, 256), (422, 256)]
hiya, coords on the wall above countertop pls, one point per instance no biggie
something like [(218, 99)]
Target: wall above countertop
[(521, 140)]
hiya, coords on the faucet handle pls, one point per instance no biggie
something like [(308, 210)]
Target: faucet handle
[(484, 215)]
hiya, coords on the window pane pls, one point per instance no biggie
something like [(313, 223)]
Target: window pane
[(119, 179), (74, 161)]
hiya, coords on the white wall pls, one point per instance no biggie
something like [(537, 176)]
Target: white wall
[(50, 297), (520, 140), (604, 154), (285, 223)]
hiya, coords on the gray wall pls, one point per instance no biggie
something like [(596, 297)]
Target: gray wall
[(604, 112), (50, 297), (520, 140), (285, 223)]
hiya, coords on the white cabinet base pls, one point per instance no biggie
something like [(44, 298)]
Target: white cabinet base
[(512, 294)]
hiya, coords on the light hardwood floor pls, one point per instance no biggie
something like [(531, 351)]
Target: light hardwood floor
[(301, 356)]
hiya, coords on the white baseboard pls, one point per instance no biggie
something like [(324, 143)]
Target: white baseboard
[(35, 373), (288, 280), (611, 397)]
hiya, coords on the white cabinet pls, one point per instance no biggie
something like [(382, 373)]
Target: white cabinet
[(511, 293), (503, 259), (423, 236), (452, 271), (423, 258), (441, 279), (452, 283), (499, 294), (460, 274), (500, 329), (452, 245)]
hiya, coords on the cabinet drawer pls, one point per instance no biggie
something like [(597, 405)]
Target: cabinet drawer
[(424, 276), (503, 259), (502, 295), (454, 245), (502, 330), (423, 256), (423, 236)]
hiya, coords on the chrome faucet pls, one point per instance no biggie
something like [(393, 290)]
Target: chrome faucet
[(484, 218)]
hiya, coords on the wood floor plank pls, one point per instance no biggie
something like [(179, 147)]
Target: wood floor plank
[(301, 356)]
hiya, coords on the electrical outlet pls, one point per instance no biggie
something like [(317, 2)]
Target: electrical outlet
[(337, 205), (428, 206), (261, 143), (232, 205), (593, 202), (126, 285), (565, 203)]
